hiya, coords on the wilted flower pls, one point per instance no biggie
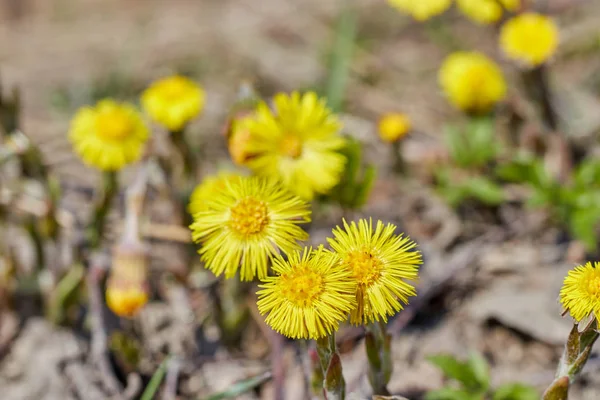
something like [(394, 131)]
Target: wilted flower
[(173, 101), (127, 287), (393, 127), (580, 294), (472, 82), (296, 143), (109, 135), (421, 10), (309, 296), (246, 223), (529, 38), (380, 262)]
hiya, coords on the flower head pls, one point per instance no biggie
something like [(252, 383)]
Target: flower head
[(472, 82), (238, 140), (205, 191), (309, 296), (127, 287), (393, 127), (380, 261), (529, 38), (173, 101), (486, 11), (109, 135), (580, 294), (421, 10), (296, 143), (246, 223)]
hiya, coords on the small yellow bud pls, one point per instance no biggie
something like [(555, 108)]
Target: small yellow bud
[(126, 289), (393, 127), (529, 38)]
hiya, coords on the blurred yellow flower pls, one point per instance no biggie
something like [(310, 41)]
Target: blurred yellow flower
[(309, 296), (529, 38), (247, 222), (421, 10), (296, 143), (380, 262), (393, 127), (580, 294), (126, 288), (238, 141), (205, 191), (125, 301), (173, 101), (486, 11), (109, 135), (472, 82)]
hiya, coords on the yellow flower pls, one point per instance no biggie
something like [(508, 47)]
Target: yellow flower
[(296, 143), (580, 294), (486, 11), (472, 82), (173, 101), (380, 262), (205, 191), (393, 127), (529, 38), (246, 223), (238, 141), (125, 301), (421, 10), (126, 289), (109, 135), (309, 296)]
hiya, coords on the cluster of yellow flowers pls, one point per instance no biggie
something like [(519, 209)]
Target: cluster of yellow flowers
[(113, 134), (250, 221), (482, 11)]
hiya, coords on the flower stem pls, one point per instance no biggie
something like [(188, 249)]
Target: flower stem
[(538, 88), (399, 164), (377, 342), (577, 351), (334, 386), (96, 229), (189, 161)]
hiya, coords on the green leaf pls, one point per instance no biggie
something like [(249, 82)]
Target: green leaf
[(583, 226), (457, 147), (455, 369), (451, 394), (155, 381), (480, 369), (516, 391), (485, 190), (364, 188), (240, 387), (481, 140)]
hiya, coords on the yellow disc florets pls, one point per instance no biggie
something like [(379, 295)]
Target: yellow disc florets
[(249, 216), (366, 267), (301, 286)]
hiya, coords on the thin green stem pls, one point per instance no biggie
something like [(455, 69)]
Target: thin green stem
[(187, 156), (334, 386), (377, 343), (96, 229)]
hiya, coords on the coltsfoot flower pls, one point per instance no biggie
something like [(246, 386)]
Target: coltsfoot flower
[(380, 262), (246, 223), (472, 82), (173, 102), (238, 141), (109, 135), (127, 287), (529, 38), (207, 189), (393, 127), (421, 10), (296, 143), (486, 11), (580, 293), (309, 296)]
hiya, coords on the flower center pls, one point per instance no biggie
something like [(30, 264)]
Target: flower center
[(249, 216), (593, 286), (365, 267), (301, 286), (291, 146), (114, 124)]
